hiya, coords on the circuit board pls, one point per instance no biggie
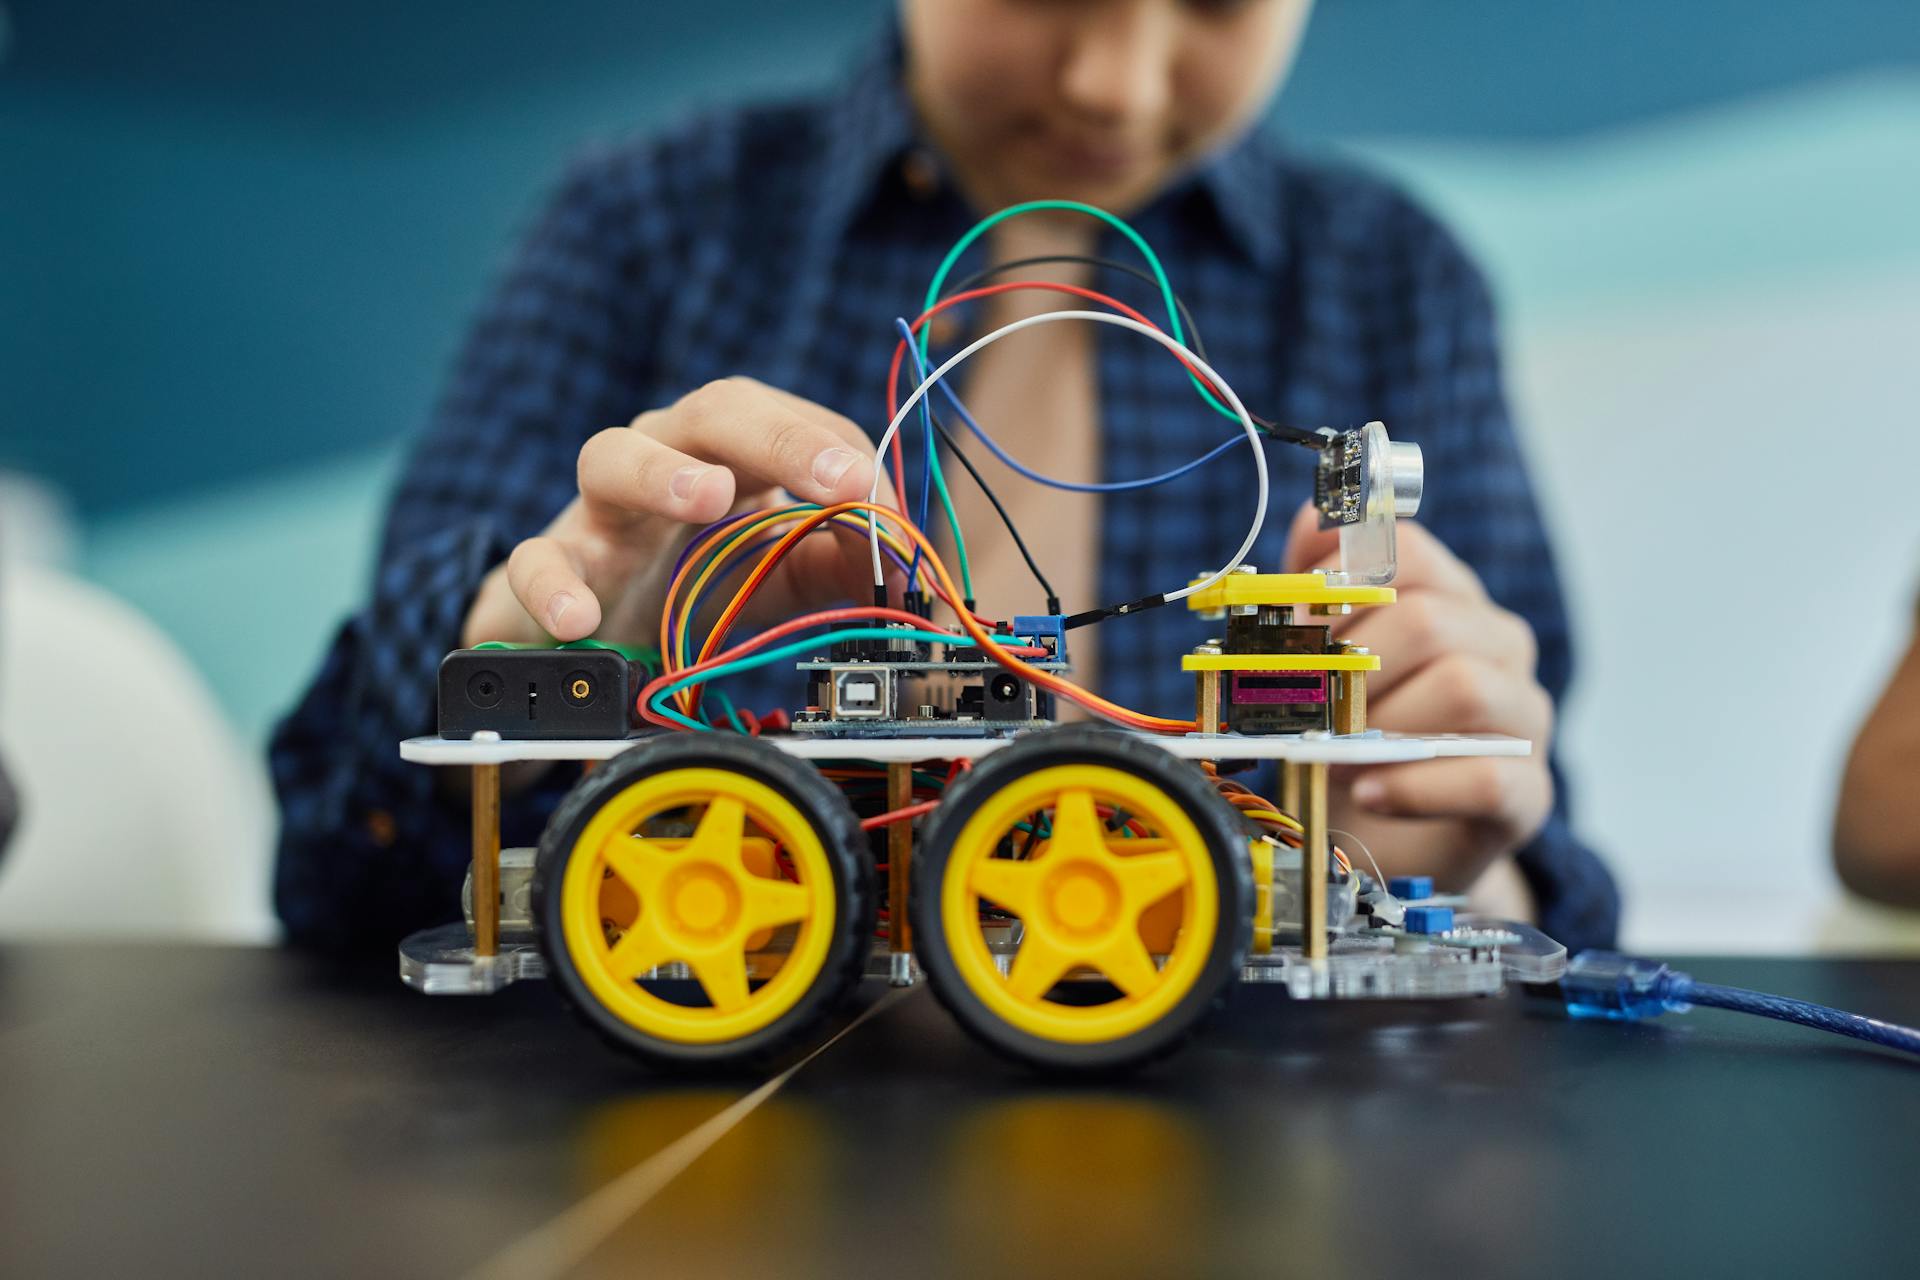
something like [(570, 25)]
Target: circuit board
[(1340, 480)]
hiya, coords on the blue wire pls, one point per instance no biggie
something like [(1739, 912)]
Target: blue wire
[(657, 703), (740, 562), (1072, 486), (926, 509), (926, 464), (1806, 1013), (1605, 984)]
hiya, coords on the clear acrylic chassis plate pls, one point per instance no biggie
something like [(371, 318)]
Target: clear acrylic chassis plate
[(1476, 958)]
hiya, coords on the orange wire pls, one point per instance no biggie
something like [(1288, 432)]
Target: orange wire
[(947, 591), (892, 816)]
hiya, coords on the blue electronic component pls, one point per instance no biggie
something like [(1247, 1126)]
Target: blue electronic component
[(1048, 630), (1406, 888), (1603, 984), (1429, 919)]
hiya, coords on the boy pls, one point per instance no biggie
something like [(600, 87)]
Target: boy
[(733, 284), (1876, 826)]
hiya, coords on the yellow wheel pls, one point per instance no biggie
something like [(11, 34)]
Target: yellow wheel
[(1082, 899), (704, 898)]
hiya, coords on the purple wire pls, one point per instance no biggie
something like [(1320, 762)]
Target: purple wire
[(1071, 486), (680, 561), (738, 564)]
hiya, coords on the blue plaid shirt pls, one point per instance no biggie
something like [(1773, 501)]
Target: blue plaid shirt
[(780, 241)]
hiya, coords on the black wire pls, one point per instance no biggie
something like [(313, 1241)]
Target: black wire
[(1280, 430), (1139, 273), (953, 446)]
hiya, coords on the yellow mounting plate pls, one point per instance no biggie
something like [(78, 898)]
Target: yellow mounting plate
[(1283, 589), (1280, 662)]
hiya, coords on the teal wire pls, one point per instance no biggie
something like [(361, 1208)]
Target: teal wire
[(727, 708), (1073, 206), (749, 528), (756, 660)]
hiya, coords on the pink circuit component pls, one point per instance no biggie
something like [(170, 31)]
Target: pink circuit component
[(1278, 686)]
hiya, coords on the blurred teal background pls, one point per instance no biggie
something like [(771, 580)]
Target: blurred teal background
[(238, 243)]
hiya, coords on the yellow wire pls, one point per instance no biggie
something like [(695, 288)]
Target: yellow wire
[(739, 542), (882, 516)]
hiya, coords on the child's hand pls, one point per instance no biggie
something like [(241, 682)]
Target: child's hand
[(603, 566), (1452, 661)]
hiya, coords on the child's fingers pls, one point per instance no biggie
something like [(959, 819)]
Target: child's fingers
[(745, 425), (1465, 693), (1423, 627), (547, 582), (1504, 792), (1308, 545), (625, 473), (1421, 559)]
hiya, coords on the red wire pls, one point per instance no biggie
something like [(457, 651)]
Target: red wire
[(768, 562), (987, 291), (781, 631), (887, 819), (999, 653)]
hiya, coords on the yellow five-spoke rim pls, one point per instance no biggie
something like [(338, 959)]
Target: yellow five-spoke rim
[(700, 903), (1080, 899)]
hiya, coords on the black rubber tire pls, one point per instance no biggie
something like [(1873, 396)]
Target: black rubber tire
[(833, 820), (1188, 787)]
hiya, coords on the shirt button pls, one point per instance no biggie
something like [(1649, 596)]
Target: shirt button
[(920, 171), (381, 828)]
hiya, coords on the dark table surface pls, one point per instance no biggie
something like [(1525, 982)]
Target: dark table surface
[(216, 1111)]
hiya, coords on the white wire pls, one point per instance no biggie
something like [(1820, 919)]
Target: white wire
[(1378, 874), (1099, 317)]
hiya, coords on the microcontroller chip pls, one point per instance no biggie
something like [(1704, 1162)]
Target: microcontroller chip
[(1339, 479)]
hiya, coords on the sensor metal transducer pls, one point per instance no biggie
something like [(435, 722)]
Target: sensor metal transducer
[(1361, 483)]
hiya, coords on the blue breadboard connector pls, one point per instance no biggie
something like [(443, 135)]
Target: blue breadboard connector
[(1048, 630), (1411, 888), (1429, 919)]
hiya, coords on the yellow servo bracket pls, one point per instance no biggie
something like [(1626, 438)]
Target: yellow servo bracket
[(1280, 662), (1283, 589), (1261, 850)]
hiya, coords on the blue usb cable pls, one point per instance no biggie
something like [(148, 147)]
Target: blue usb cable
[(1605, 984)]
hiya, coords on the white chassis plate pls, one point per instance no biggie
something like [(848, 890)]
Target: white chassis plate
[(1366, 748)]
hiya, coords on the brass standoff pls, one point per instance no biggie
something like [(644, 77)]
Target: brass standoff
[(1290, 788), (1314, 863), (1206, 692), (899, 855), (1350, 695), (486, 859)]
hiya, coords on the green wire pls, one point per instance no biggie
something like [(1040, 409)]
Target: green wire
[(1073, 206), (933, 297), (939, 479), (726, 706), (748, 528), (632, 653), (755, 660), (953, 523)]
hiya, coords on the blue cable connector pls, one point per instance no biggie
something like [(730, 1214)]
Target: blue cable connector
[(1605, 984)]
